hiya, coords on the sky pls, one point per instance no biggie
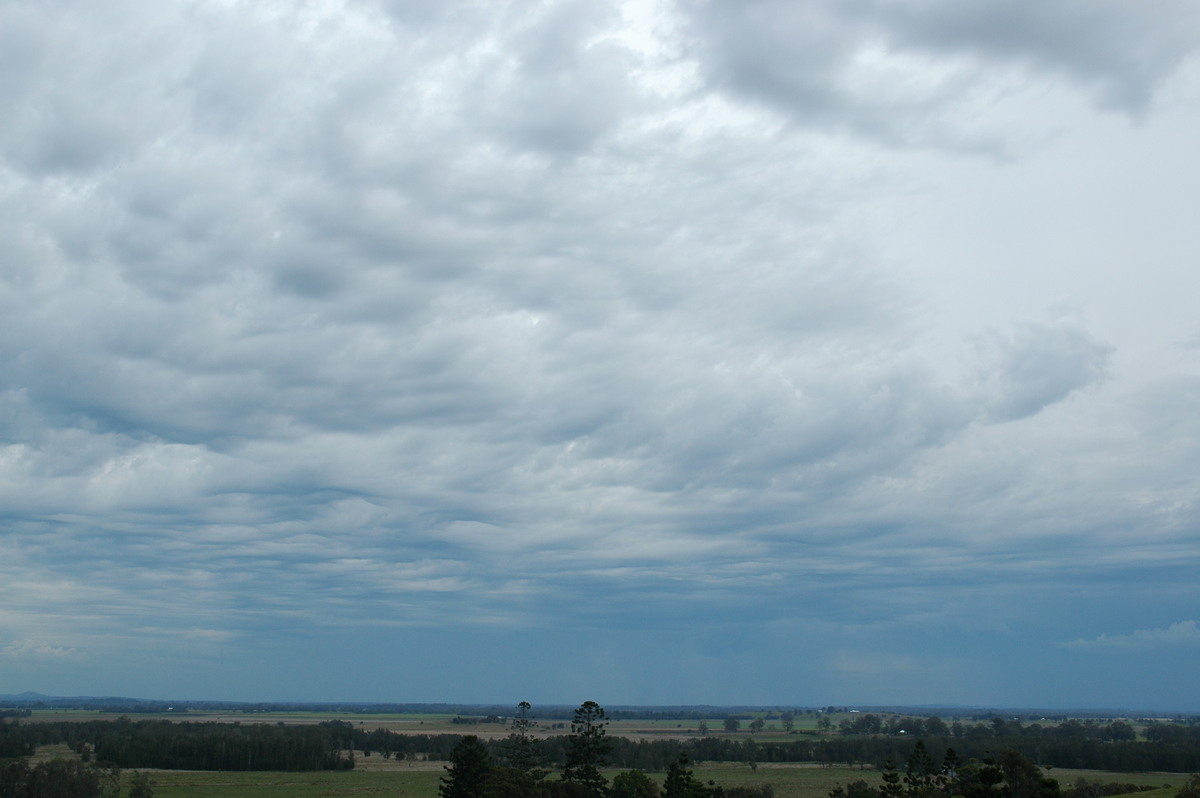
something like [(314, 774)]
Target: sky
[(650, 352)]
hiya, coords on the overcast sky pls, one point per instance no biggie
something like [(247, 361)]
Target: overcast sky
[(769, 351)]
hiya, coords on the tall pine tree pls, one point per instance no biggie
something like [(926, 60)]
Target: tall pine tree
[(468, 771), (587, 748)]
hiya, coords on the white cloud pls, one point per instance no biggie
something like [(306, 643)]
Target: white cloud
[(1181, 634), (37, 650)]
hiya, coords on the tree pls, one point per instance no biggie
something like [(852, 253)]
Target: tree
[(756, 725), (520, 748), (891, 781), (468, 771), (680, 783), (789, 721), (1120, 730), (949, 770), (936, 727), (587, 748), (562, 789), (920, 777), (633, 784), (1190, 788), (506, 782), (703, 729), (140, 786), (982, 779), (1024, 778), (56, 778), (732, 724)]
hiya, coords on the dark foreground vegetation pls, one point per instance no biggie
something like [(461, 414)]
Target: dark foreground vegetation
[(473, 772), (63, 778), (184, 746), (1007, 775)]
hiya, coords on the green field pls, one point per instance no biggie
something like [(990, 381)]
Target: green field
[(190, 784)]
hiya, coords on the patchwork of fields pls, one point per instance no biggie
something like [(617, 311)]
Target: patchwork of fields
[(375, 775)]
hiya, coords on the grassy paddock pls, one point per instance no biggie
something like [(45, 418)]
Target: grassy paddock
[(423, 783), (324, 784)]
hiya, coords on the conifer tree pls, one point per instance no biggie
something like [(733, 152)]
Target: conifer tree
[(891, 781), (919, 776), (520, 747), (587, 748), (468, 771)]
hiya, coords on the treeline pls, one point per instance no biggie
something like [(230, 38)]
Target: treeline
[(864, 752), (57, 778), (1071, 729), (14, 742), (221, 746), (234, 746), (1130, 756), (207, 746), (185, 746), (1170, 733), (868, 752)]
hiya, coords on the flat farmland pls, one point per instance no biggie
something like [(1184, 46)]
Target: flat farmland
[(192, 784), (413, 723), (375, 775)]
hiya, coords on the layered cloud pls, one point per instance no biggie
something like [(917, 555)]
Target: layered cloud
[(433, 322)]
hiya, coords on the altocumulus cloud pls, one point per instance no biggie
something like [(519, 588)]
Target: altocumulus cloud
[(666, 351), (30, 649), (1182, 634)]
